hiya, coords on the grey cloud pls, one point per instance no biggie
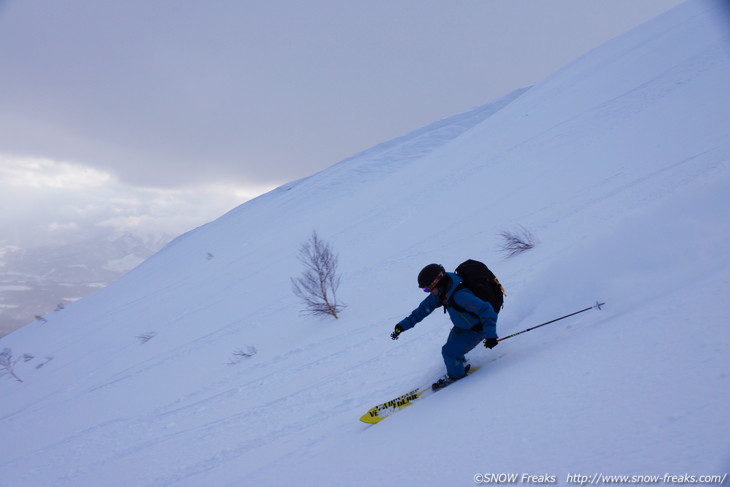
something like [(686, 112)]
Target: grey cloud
[(171, 93)]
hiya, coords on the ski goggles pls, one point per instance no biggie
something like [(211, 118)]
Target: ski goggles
[(433, 285)]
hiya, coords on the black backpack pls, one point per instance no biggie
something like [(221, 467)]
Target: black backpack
[(482, 282)]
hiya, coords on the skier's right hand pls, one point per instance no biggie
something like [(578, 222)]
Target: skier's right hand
[(396, 333), (490, 343)]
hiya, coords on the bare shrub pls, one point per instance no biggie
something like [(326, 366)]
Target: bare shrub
[(240, 354), (7, 364), (42, 364), (145, 337), (516, 241), (317, 287)]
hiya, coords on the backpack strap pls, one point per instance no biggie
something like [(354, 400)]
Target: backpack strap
[(451, 302)]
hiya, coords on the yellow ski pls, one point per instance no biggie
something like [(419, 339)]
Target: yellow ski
[(382, 411)]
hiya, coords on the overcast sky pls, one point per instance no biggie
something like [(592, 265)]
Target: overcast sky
[(150, 112)]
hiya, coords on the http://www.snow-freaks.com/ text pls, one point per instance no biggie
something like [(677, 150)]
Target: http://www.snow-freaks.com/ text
[(582, 479)]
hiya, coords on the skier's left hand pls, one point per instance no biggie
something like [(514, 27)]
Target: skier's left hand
[(490, 343), (398, 330)]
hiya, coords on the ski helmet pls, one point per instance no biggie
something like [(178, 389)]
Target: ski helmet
[(429, 274)]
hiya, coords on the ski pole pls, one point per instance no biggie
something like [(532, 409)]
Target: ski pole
[(597, 305)]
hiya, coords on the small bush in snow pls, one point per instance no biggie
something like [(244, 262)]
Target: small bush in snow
[(42, 364), (515, 242), (241, 354), (7, 363), (317, 287), (145, 337)]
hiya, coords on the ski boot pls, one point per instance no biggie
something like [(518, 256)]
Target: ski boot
[(445, 381)]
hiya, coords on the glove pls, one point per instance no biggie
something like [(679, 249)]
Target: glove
[(396, 333), (490, 343)]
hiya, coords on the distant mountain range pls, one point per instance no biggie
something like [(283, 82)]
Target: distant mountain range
[(39, 280)]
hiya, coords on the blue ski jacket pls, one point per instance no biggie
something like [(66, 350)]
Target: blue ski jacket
[(477, 311)]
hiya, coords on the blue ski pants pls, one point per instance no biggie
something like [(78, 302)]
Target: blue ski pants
[(459, 343)]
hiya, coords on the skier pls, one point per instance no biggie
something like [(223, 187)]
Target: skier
[(477, 321)]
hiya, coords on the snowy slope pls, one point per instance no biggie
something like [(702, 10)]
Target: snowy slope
[(619, 163)]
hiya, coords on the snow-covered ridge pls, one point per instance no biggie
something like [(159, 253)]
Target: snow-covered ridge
[(620, 165)]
